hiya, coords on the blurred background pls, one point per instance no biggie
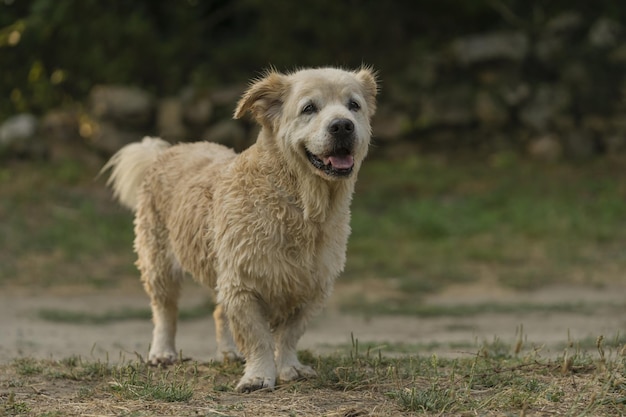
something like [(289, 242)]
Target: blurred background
[(498, 152)]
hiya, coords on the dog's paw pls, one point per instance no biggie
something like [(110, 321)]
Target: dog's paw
[(230, 357), (295, 372), (254, 383), (162, 358)]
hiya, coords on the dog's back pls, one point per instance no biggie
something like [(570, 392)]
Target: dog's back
[(138, 161)]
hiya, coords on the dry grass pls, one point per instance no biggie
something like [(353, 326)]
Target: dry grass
[(494, 382)]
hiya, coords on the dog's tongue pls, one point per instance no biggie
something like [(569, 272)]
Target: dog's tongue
[(340, 162)]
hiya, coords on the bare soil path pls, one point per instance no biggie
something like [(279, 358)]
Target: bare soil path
[(602, 312)]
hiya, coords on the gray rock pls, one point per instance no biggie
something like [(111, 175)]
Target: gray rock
[(452, 107), (108, 138), (618, 55), (564, 23), (550, 49), (515, 95), (579, 144), (555, 38), (170, 119), (60, 125), (604, 33), (595, 123), (126, 106), (505, 46), (60, 130), (397, 94), (390, 125), (618, 121), (19, 128), (490, 113), (227, 96), (197, 107), (545, 105), (228, 133), (18, 136), (576, 74), (545, 148), (422, 71), (615, 144)]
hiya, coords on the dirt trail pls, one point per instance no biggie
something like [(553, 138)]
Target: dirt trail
[(23, 333)]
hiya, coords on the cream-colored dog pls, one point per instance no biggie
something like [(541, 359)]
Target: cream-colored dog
[(266, 229)]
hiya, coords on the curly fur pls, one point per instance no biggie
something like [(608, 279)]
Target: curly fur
[(265, 228)]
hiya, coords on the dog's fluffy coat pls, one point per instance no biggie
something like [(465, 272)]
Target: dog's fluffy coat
[(266, 229)]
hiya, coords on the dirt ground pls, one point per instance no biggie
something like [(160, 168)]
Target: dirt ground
[(603, 312)]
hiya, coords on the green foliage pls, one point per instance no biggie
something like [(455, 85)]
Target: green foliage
[(52, 216), (418, 224), (54, 51), (58, 50)]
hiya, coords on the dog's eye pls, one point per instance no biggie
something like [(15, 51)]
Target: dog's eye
[(309, 109), (353, 106)]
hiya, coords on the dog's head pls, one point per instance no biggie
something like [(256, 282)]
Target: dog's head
[(322, 116)]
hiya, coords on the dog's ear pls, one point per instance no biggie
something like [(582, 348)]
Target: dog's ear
[(367, 78), (264, 98)]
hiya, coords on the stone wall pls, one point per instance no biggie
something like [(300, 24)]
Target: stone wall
[(558, 90), (550, 92), (115, 115)]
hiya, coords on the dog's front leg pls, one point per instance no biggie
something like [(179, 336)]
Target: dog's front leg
[(252, 334), (287, 336)]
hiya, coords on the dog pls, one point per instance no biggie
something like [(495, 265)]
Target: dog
[(266, 229)]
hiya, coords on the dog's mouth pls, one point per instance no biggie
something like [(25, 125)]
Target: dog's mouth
[(337, 164)]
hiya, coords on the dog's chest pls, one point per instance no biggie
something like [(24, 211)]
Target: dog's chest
[(286, 257), (288, 240)]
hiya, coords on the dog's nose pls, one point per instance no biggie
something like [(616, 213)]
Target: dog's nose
[(341, 127)]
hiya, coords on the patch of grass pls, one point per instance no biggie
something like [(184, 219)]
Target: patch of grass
[(371, 348), (58, 224), (491, 382), (616, 342), (13, 407), (358, 305), (423, 223), (431, 399), (143, 383), (27, 366), (419, 224)]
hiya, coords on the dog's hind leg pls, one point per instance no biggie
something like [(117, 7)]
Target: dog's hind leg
[(226, 348), (161, 276)]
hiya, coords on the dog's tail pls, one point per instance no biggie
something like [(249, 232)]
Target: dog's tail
[(129, 167)]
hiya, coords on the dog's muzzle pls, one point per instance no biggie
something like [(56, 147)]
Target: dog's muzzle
[(339, 162)]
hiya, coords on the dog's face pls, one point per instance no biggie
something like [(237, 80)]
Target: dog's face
[(321, 117)]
